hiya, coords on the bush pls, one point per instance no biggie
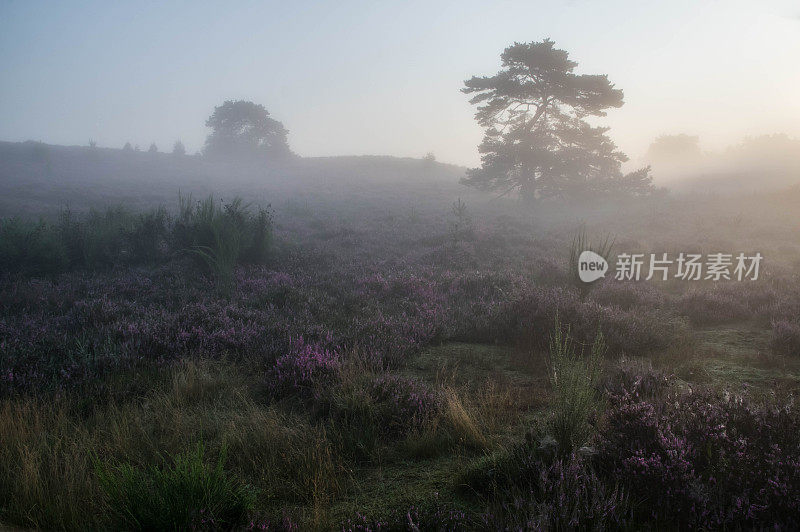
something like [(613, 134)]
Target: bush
[(186, 494), (705, 459), (581, 243), (638, 380), (529, 487), (220, 237), (708, 307), (98, 240), (429, 516), (529, 319), (304, 372), (363, 411), (147, 235), (104, 242), (403, 404), (566, 495), (28, 247), (507, 470)]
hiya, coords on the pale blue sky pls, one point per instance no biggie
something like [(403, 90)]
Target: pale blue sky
[(384, 77)]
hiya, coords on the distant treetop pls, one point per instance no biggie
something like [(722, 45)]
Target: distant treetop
[(673, 147), (244, 130)]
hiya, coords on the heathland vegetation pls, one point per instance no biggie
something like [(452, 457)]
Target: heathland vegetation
[(394, 366)]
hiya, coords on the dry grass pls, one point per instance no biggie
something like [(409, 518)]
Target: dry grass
[(47, 477), (460, 422)]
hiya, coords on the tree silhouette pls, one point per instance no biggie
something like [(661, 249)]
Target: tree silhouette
[(537, 142), (242, 129), (153, 148), (670, 148), (178, 148)]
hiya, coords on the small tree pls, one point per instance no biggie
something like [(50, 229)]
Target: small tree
[(178, 148), (461, 225), (153, 148), (127, 147)]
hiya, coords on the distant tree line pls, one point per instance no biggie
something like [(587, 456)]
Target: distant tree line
[(177, 149), (240, 130)]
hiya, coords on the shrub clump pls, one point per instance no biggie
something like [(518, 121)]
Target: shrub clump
[(304, 372), (30, 247), (528, 487), (219, 236), (705, 459), (403, 404), (187, 494), (637, 331), (707, 307), (637, 379)]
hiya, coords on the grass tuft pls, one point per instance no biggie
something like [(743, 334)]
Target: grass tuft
[(188, 493), (573, 377)]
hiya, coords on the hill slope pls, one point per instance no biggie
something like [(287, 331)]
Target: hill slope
[(38, 178)]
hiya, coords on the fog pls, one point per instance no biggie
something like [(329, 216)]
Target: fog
[(753, 164), (399, 266), (363, 78)]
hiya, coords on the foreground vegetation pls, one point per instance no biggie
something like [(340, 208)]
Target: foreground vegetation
[(392, 370)]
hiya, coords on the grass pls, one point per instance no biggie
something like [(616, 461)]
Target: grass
[(733, 356), (219, 235), (55, 463), (574, 375), (221, 258), (187, 491), (49, 479), (580, 243), (61, 469)]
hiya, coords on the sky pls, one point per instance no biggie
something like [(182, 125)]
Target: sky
[(384, 78)]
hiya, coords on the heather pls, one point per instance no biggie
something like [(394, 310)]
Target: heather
[(699, 458), (221, 365)]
